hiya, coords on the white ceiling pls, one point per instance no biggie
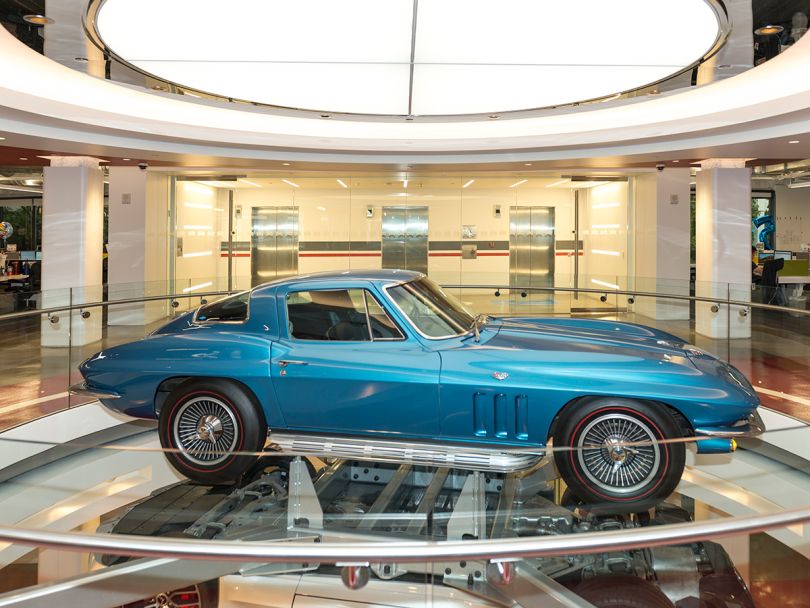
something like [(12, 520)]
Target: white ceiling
[(47, 106), (406, 57)]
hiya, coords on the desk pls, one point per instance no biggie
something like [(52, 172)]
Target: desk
[(798, 282)]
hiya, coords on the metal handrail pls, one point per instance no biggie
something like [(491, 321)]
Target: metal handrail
[(103, 303), (641, 294), (508, 549)]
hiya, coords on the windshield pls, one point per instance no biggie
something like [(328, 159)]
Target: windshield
[(432, 311)]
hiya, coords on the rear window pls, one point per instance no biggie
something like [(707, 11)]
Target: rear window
[(232, 308)]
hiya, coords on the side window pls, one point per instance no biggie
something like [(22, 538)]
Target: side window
[(382, 326), (335, 314), (232, 308)]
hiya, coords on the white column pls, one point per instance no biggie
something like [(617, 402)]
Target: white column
[(723, 246), (137, 265), (72, 248), (662, 242), (66, 42), (737, 54)]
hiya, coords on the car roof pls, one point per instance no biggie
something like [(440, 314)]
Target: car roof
[(338, 276)]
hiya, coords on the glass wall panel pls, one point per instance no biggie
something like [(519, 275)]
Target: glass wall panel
[(534, 232)]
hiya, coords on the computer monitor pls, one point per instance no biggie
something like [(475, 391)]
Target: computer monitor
[(764, 255), (782, 255)]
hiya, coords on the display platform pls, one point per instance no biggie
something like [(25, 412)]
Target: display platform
[(115, 480)]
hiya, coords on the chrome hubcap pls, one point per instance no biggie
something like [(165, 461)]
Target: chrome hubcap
[(210, 429), (609, 462), (206, 430)]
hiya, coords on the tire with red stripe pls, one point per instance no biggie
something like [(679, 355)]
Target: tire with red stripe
[(205, 420), (614, 458)]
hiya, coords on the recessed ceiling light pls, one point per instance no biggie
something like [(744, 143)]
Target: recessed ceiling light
[(158, 87), (793, 141), (82, 59), (23, 158), (724, 66), (409, 118), (516, 184), (676, 161), (2, 138), (289, 183), (37, 19), (494, 116), (769, 30), (342, 183), (285, 164), (469, 183), (326, 116), (527, 164)]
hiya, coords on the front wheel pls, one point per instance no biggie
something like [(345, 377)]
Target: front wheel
[(603, 470), (203, 422)]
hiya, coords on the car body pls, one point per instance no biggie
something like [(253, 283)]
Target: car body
[(383, 358)]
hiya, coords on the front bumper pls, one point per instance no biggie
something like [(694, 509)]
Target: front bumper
[(748, 427), (82, 390)]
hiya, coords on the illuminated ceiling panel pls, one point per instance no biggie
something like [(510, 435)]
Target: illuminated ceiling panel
[(400, 57)]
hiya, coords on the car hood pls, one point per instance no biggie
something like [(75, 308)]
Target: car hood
[(583, 335)]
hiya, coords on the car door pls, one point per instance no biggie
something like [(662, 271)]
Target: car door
[(344, 365)]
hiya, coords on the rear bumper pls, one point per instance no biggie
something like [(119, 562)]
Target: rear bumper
[(82, 390), (748, 427)]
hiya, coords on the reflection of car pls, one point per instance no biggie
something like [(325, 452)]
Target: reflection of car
[(375, 502), (385, 364)]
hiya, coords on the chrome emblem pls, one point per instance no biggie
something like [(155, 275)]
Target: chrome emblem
[(500, 375)]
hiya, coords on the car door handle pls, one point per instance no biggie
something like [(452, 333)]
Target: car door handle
[(286, 362)]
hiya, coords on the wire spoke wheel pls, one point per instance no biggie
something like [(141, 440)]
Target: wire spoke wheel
[(206, 430), (618, 452)]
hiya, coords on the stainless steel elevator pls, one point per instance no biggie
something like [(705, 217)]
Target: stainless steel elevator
[(405, 238), (273, 243), (531, 246)]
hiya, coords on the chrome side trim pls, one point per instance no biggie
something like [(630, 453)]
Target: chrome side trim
[(82, 390), (749, 427), (424, 454)]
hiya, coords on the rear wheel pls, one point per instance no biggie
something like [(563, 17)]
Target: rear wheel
[(603, 470), (203, 422)]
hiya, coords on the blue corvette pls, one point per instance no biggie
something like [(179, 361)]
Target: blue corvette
[(385, 364)]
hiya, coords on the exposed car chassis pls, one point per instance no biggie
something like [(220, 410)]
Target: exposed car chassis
[(350, 500)]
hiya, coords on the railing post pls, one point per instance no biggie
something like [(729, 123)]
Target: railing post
[(70, 340)]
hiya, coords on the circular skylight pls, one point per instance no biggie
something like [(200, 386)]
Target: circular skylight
[(402, 57)]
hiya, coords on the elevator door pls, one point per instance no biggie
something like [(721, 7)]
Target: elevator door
[(405, 238), (273, 243), (531, 246)]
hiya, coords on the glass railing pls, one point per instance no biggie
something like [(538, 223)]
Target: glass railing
[(762, 331), (88, 498)]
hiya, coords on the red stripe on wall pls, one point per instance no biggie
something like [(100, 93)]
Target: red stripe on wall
[(493, 254), (568, 253), (235, 255), (339, 255), (445, 254)]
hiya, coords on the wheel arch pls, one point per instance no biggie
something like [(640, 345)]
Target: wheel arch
[(169, 384), (683, 423)]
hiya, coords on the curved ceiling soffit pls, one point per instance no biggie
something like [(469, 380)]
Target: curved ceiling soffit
[(67, 102)]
